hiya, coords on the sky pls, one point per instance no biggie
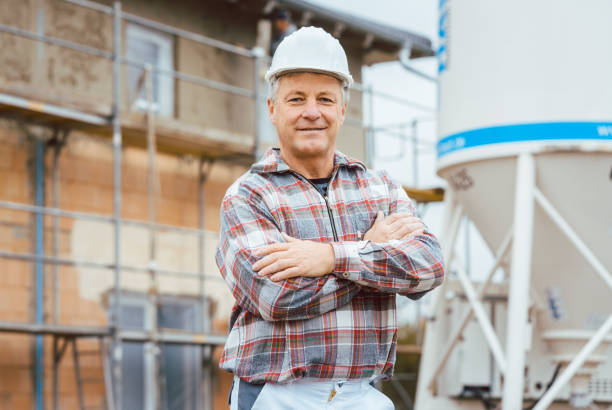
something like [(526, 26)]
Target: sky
[(420, 17)]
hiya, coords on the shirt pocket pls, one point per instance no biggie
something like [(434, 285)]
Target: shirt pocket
[(361, 222)]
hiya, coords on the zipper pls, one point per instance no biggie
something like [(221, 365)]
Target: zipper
[(326, 199)]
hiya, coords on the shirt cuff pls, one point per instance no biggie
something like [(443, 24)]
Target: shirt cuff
[(347, 259)]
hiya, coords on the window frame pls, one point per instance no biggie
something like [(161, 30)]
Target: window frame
[(165, 44), (150, 313)]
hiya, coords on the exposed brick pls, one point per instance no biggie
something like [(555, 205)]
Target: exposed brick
[(134, 179), (14, 301), (14, 352), (21, 402), (14, 186), (16, 379), (7, 153), (14, 216), (15, 273)]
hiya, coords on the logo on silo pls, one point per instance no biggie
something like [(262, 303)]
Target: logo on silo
[(443, 25)]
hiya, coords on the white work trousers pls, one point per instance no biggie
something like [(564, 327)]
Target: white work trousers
[(317, 395)]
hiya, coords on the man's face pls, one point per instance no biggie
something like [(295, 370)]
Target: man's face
[(308, 113)]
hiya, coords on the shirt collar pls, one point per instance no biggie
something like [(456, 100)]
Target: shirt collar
[(272, 162)]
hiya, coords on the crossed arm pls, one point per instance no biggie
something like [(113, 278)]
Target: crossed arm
[(295, 257), (283, 278), (246, 227)]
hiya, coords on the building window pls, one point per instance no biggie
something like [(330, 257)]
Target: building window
[(149, 46), (179, 366)]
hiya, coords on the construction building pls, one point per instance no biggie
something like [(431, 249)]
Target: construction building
[(122, 125)]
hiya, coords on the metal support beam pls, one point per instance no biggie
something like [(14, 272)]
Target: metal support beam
[(574, 365), (573, 237), (117, 143), (100, 265), (452, 217), (55, 374), (500, 255), (481, 316), (152, 295), (518, 296), (77, 374), (58, 144), (40, 274), (370, 133), (55, 41), (259, 95), (90, 216), (206, 383)]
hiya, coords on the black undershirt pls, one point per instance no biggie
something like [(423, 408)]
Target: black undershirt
[(321, 184)]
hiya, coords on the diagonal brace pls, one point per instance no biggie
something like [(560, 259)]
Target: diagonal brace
[(574, 365), (573, 236), (502, 251)]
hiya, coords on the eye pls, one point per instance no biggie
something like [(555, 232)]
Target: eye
[(295, 99), (326, 100)]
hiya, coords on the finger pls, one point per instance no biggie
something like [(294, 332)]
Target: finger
[(380, 216), (266, 260), (398, 215), (401, 221), (406, 230), (277, 266), (286, 274), (288, 238), (414, 233), (268, 249)]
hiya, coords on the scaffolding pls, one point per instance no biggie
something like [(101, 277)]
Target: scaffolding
[(61, 119)]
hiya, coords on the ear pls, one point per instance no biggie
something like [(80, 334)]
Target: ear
[(271, 110), (342, 112)]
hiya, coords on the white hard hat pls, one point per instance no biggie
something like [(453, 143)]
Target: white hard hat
[(310, 49)]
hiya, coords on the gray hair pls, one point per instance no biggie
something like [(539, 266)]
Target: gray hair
[(273, 89)]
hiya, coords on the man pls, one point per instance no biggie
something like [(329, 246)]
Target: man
[(281, 28), (314, 248)]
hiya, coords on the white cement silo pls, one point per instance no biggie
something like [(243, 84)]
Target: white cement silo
[(525, 142)]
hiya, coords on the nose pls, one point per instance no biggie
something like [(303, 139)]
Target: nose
[(311, 111)]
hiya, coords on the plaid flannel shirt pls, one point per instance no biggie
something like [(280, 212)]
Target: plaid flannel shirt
[(338, 326)]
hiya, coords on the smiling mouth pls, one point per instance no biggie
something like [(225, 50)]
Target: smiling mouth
[(311, 129)]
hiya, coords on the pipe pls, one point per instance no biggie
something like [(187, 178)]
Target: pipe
[(99, 265), (404, 59), (153, 301), (117, 143), (95, 217), (206, 394), (40, 280), (55, 41), (260, 110)]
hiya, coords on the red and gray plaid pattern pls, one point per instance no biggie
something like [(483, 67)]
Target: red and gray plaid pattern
[(339, 326)]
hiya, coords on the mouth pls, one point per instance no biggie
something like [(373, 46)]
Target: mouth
[(311, 129)]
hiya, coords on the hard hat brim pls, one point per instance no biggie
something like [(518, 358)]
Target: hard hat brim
[(340, 76)]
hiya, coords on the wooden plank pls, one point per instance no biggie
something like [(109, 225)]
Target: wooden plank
[(173, 136), (408, 349), (47, 329), (425, 195)]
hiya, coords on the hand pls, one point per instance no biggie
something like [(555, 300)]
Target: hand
[(396, 226), (293, 258)]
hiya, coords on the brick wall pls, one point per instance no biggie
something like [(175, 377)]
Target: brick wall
[(85, 184)]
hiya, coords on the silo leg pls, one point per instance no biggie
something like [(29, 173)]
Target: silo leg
[(518, 295)]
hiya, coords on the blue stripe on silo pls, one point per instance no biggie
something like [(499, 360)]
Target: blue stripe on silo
[(525, 132)]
